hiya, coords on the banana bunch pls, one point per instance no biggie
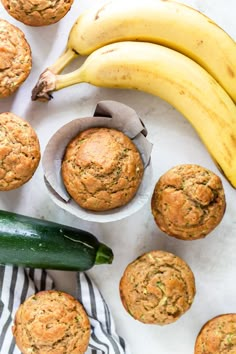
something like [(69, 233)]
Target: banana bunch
[(163, 48)]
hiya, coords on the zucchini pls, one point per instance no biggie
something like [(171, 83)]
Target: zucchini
[(36, 243)]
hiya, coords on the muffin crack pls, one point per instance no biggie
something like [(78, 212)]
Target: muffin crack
[(40, 8), (162, 287)]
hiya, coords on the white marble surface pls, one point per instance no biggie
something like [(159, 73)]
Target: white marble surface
[(212, 259)]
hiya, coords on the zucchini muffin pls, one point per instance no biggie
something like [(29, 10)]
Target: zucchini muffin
[(102, 169), (19, 151), (188, 202), (51, 322), (15, 58), (37, 12), (157, 288), (217, 336)]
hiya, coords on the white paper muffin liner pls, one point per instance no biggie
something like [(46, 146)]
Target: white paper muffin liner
[(109, 114)]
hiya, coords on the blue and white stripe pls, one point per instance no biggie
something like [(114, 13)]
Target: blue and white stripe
[(17, 284)]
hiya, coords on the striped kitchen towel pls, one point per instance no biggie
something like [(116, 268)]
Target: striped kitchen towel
[(16, 284)]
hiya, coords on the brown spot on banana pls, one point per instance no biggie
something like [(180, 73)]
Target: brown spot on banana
[(230, 71), (233, 138), (99, 11), (200, 42), (108, 51)]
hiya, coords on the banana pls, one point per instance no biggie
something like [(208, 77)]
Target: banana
[(164, 22), (172, 76)]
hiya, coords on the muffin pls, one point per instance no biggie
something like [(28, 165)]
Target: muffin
[(15, 58), (37, 12), (188, 202), (217, 336), (102, 169), (51, 322), (19, 151), (157, 288)]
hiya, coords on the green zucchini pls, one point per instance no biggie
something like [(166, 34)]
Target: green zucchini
[(36, 243)]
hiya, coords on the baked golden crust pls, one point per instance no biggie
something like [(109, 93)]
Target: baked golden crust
[(217, 336), (19, 151), (51, 322), (157, 288), (15, 58), (37, 12), (102, 169), (188, 202)]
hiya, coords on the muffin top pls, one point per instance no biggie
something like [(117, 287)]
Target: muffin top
[(37, 12), (157, 288), (19, 151), (188, 202), (102, 169), (51, 322), (15, 58), (217, 336)]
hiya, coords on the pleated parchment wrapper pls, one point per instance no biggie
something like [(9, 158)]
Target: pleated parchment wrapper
[(110, 114)]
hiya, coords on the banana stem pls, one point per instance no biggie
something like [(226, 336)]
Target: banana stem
[(69, 79), (49, 82), (63, 61)]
